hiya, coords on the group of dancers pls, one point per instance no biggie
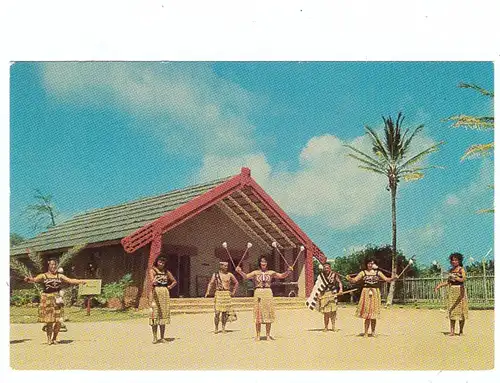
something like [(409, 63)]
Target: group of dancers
[(224, 284)]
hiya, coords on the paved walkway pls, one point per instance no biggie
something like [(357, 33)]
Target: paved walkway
[(409, 339)]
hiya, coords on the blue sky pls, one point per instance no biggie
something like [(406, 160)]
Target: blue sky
[(97, 134)]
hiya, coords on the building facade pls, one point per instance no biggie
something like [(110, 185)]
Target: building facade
[(188, 226)]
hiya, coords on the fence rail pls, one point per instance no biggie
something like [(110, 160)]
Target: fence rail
[(480, 289)]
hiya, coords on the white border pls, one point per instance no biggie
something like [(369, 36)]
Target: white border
[(228, 30)]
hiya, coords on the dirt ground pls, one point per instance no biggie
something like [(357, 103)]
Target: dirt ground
[(408, 339)]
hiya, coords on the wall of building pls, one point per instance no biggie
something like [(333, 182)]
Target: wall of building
[(200, 239), (205, 233)]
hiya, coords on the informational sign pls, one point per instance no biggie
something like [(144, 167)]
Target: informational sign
[(91, 287)]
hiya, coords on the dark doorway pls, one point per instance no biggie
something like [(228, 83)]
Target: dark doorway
[(179, 266)]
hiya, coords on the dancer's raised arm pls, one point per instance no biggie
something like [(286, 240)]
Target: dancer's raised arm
[(72, 281), (357, 278), (243, 275), (283, 275)]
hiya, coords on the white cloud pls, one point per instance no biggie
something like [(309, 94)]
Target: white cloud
[(328, 185), (186, 103), (191, 107)]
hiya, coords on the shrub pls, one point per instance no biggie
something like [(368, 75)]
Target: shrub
[(23, 297), (115, 289)]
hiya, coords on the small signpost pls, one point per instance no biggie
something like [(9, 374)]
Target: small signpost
[(90, 288)]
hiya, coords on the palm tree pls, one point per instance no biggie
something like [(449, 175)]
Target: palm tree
[(390, 159), (43, 213), (476, 123)]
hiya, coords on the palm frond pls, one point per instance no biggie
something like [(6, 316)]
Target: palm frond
[(368, 159), (364, 161), (484, 211), (483, 91), (23, 271), (479, 150), (403, 138), (472, 122), (377, 143), (68, 255), (413, 176), (372, 169), (19, 268), (420, 155), (407, 143), (419, 169), (37, 261)]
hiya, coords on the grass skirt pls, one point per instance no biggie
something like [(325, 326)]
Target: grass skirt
[(222, 301), (49, 311), (161, 306), (458, 307), (263, 310), (369, 305), (327, 303)]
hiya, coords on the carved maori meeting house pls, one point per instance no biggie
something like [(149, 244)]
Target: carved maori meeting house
[(188, 226)]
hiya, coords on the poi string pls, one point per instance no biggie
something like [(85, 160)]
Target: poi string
[(224, 245), (275, 245), (298, 255), (375, 266), (410, 262), (249, 245)]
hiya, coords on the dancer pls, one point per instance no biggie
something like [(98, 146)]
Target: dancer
[(163, 281), (370, 299), (51, 310), (458, 307), (263, 296), (222, 303), (328, 299)]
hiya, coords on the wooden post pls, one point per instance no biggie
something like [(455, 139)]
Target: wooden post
[(404, 289), (88, 304), (484, 282)]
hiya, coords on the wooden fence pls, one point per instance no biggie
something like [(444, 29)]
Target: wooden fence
[(480, 289)]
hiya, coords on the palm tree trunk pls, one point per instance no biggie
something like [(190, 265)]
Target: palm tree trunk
[(392, 286)]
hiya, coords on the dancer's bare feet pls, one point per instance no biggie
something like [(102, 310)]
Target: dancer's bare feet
[(257, 338), (451, 334), (325, 330)]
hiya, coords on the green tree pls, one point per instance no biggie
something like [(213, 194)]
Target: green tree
[(484, 123), (42, 214), (432, 270), (392, 158), (476, 267), (355, 261), (16, 239)]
